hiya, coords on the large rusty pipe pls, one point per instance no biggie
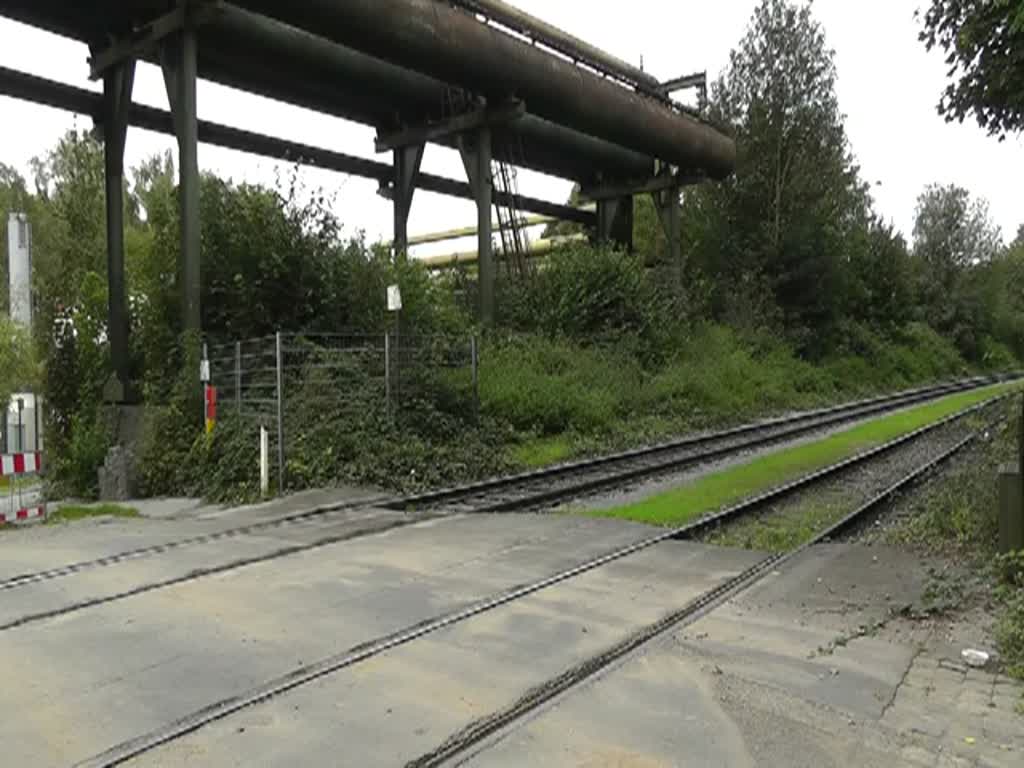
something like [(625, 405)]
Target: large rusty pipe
[(561, 41), (290, 64), (433, 37), (295, 66), (287, 64)]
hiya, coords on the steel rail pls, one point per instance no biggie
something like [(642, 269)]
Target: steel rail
[(788, 427), (448, 494), (373, 527), (482, 730), (219, 710), (35, 577), (401, 504)]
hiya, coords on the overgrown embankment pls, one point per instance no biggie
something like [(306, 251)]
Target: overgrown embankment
[(590, 354), (615, 366)]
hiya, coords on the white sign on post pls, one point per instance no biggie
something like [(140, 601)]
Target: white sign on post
[(394, 298), (264, 462), (204, 371)]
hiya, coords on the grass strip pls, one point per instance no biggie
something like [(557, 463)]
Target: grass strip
[(710, 492), (542, 452), (75, 512)]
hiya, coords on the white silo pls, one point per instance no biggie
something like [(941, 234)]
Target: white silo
[(22, 431), (19, 249)]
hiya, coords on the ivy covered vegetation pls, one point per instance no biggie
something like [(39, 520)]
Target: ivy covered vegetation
[(793, 292)]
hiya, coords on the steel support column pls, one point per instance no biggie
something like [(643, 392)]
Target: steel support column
[(615, 221), (476, 156), (407, 171), (179, 66), (666, 203), (117, 98)]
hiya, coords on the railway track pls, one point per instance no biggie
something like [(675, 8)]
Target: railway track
[(578, 479), (478, 732), (512, 493)]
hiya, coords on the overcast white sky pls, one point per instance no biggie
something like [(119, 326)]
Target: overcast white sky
[(888, 87)]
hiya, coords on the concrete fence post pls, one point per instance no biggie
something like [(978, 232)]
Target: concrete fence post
[(35, 413), (474, 360), (264, 462), (238, 378), (280, 413), (387, 372)]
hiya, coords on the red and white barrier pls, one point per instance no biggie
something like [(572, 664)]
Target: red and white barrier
[(23, 515), (12, 464)]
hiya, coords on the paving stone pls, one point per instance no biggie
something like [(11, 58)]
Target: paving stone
[(974, 709), (980, 676), (908, 719), (948, 760), (1006, 702), (917, 755), (945, 690), (1007, 726), (1005, 684)]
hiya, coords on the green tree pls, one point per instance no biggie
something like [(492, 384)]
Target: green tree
[(1018, 241), (952, 232), (880, 290), (786, 221), (18, 370), (1006, 297), (955, 242), (984, 45)]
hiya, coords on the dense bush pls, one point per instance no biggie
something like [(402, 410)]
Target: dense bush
[(710, 375), (597, 348), (915, 353), (1010, 628), (75, 468), (589, 295), (337, 430), (546, 386)]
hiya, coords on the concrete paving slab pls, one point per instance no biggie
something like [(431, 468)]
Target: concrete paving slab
[(192, 561), (400, 704), (41, 547), (784, 674), (85, 681), (746, 685)]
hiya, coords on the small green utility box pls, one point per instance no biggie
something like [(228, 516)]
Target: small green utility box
[(1011, 508)]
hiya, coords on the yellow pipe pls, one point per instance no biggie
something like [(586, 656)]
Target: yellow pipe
[(454, 234), (538, 248)]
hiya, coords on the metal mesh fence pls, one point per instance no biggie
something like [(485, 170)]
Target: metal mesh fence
[(268, 381)]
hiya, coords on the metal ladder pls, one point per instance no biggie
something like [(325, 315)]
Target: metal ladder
[(515, 243)]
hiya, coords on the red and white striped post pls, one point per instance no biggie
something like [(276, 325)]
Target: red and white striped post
[(15, 467)]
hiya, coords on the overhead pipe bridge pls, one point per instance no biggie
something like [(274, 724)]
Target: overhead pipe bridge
[(479, 76)]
